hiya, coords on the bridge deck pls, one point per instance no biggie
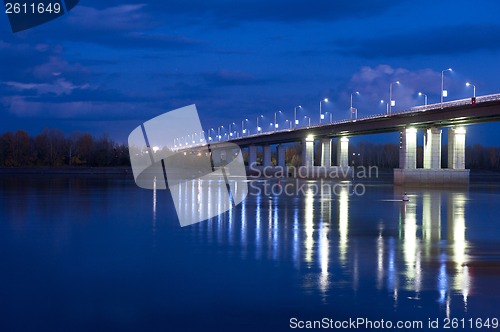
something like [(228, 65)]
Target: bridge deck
[(458, 112)]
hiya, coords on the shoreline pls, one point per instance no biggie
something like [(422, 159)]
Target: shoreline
[(118, 170), (476, 176)]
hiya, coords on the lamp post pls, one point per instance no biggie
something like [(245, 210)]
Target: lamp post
[(305, 116), (210, 136), (351, 109), (443, 91), (391, 102), (259, 129), (289, 124), (230, 131), (218, 132), (330, 113), (470, 84), (386, 106), (295, 121), (321, 116), (425, 97), (275, 123), (243, 130)]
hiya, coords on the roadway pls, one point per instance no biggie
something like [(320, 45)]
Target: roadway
[(453, 113)]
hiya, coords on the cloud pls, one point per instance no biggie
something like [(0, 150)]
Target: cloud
[(225, 77), (449, 40), (55, 66), (32, 108), (128, 26), (373, 84), (234, 12), (58, 88), (118, 18)]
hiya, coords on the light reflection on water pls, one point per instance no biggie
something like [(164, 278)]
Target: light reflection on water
[(414, 252)]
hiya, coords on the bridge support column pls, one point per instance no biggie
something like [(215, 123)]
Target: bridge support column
[(343, 152), (408, 149), (456, 148), (281, 155), (432, 174), (252, 155), (266, 160), (308, 152), (432, 149), (326, 152)]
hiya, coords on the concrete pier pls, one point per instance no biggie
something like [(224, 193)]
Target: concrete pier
[(432, 174), (432, 149), (308, 152), (456, 148), (326, 152), (408, 149), (343, 152)]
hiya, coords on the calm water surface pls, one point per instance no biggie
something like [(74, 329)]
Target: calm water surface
[(83, 253)]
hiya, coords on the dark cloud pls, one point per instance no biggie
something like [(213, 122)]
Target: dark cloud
[(234, 12), (123, 26), (225, 77), (449, 40)]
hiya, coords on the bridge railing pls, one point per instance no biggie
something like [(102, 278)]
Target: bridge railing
[(416, 109)]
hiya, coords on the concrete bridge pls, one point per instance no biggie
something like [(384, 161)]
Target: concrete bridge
[(452, 116)]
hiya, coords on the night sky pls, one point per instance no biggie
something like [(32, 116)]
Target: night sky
[(108, 66)]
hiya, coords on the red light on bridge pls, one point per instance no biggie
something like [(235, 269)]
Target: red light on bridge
[(473, 100)]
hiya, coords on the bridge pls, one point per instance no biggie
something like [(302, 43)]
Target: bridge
[(454, 116)]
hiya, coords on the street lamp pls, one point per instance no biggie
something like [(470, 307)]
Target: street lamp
[(210, 136), (290, 123), (218, 132), (386, 106), (295, 121), (230, 131), (275, 123), (259, 129), (331, 113), (306, 117), (443, 91), (351, 110), (470, 84), (321, 115), (425, 97), (243, 130), (391, 102)]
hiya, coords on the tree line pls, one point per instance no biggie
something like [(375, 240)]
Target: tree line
[(53, 148)]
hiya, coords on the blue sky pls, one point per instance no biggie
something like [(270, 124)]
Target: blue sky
[(108, 66)]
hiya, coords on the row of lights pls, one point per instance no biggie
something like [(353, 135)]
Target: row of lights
[(352, 111)]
